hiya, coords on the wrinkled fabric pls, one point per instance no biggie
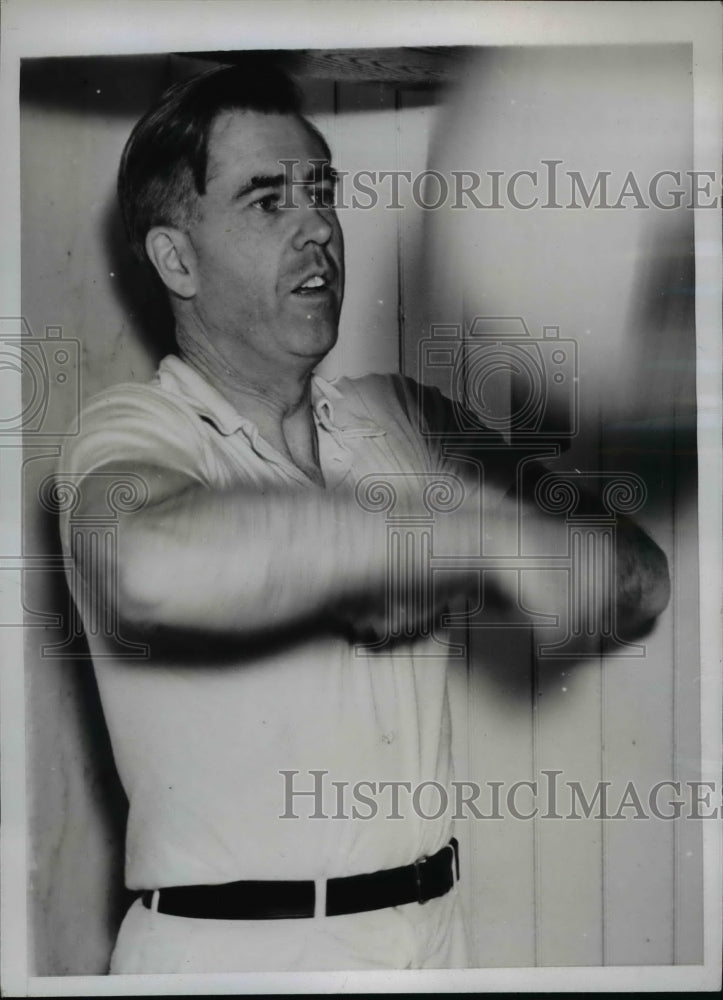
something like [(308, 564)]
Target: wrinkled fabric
[(200, 739)]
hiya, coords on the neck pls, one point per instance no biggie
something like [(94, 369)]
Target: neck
[(277, 400), (248, 387)]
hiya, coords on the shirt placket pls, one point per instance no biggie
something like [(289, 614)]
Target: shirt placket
[(270, 456)]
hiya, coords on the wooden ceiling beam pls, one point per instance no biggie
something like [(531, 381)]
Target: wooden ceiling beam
[(410, 66)]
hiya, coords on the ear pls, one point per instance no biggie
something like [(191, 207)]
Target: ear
[(172, 255)]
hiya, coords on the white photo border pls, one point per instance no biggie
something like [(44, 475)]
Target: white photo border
[(94, 27)]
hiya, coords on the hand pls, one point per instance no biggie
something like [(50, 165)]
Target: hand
[(404, 613)]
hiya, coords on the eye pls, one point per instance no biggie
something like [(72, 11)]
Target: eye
[(269, 203)]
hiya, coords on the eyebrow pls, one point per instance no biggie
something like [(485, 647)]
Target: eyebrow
[(264, 181), (260, 181)]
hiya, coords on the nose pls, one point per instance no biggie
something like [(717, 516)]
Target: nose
[(314, 224)]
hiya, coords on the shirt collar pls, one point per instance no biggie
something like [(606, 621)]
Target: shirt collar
[(331, 408)]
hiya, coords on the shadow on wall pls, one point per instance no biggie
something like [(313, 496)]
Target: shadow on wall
[(136, 290), (99, 96), (71, 763), (652, 424)]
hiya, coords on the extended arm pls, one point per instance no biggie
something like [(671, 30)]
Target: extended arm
[(603, 591), (246, 559), (642, 579), (243, 559)]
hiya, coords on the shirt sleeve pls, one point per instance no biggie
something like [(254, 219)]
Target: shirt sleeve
[(455, 438), (139, 425), (134, 425)]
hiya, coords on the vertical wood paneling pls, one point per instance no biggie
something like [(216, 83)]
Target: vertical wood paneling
[(365, 139), (569, 864), (500, 722), (568, 731), (688, 911), (586, 891), (638, 749), (416, 119)]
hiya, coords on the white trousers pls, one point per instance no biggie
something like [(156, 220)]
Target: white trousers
[(413, 936)]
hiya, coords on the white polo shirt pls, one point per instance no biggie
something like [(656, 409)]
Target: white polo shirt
[(202, 736)]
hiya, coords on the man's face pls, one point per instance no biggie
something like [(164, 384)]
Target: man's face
[(269, 258)]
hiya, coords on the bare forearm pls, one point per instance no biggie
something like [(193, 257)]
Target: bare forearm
[(244, 561), (591, 591)]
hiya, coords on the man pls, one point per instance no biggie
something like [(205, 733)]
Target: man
[(251, 565)]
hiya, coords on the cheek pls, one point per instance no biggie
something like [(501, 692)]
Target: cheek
[(338, 249), (236, 270)]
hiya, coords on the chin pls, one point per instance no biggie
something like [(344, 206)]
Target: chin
[(316, 343)]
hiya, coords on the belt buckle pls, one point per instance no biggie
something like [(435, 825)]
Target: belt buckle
[(418, 878)]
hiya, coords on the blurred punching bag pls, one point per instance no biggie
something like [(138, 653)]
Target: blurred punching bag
[(568, 216)]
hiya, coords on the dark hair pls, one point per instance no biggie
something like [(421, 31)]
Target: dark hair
[(164, 163)]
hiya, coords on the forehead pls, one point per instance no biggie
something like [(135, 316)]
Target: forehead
[(248, 142)]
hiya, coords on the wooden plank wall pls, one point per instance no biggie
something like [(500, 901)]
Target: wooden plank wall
[(545, 892), (619, 283)]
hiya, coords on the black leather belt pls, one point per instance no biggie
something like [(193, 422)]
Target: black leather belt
[(426, 879)]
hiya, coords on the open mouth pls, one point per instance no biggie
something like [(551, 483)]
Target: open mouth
[(314, 285)]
